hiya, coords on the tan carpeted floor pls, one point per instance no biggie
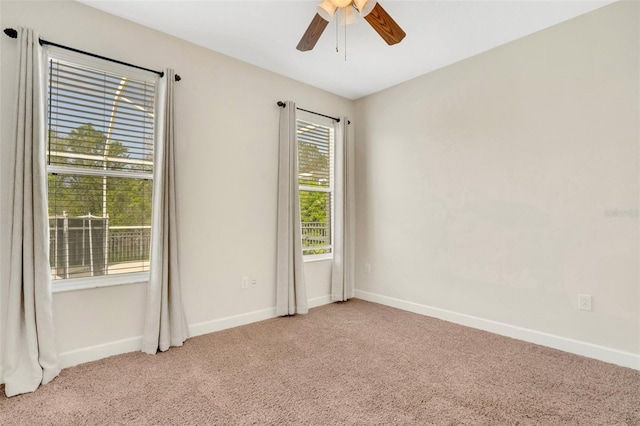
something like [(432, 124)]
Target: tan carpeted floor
[(350, 363)]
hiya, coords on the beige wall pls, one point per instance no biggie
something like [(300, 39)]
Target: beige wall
[(227, 145), (484, 187)]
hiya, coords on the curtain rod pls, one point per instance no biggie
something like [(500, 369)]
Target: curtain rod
[(282, 105), (14, 34)]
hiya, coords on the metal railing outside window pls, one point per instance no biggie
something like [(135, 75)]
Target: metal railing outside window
[(86, 246)]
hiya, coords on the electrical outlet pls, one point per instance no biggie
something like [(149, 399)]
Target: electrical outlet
[(367, 268), (584, 302), (254, 282), (244, 283)]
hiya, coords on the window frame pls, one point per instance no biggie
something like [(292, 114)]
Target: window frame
[(325, 122), (52, 52)]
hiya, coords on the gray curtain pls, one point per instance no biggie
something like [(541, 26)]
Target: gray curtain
[(342, 271), (165, 323), (29, 347), (291, 294)]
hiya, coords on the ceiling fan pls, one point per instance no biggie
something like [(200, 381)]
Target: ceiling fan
[(370, 10)]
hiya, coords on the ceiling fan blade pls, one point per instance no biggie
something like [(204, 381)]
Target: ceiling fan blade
[(313, 33), (384, 25)]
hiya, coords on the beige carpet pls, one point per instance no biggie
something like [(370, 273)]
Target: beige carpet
[(349, 363)]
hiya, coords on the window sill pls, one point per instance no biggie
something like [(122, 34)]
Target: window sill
[(72, 284)]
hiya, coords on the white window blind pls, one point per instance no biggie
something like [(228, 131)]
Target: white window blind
[(315, 178), (100, 165)]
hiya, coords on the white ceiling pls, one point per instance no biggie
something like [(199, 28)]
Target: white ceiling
[(265, 33)]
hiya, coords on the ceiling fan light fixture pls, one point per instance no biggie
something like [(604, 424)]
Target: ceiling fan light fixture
[(326, 9), (341, 3), (348, 16), (365, 6)]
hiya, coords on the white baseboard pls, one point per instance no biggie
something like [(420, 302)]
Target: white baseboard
[(94, 353), (319, 301), (230, 322), (602, 353), (104, 350), (246, 318)]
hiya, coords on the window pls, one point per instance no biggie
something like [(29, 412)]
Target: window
[(100, 123), (315, 178)]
